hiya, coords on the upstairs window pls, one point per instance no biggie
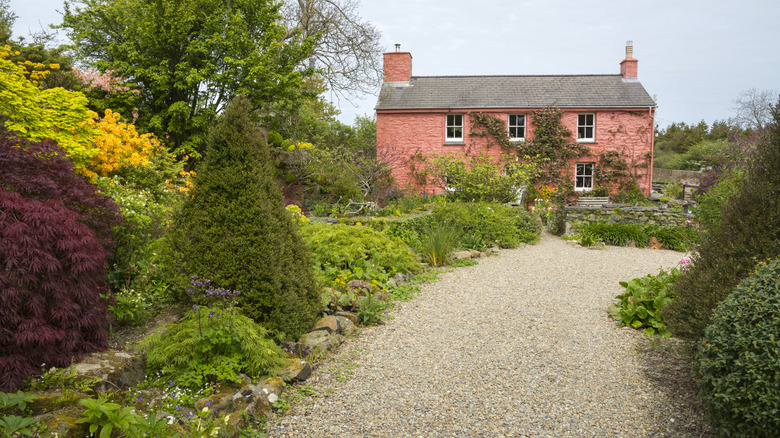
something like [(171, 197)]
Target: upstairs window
[(583, 178), (517, 127), (454, 127), (585, 123)]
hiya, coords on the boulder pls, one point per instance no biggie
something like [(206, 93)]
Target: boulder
[(461, 255), (117, 369), (474, 253), (320, 340), (63, 421), (349, 315), (297, 349), (296, 371), (330, 324), (346, 327)]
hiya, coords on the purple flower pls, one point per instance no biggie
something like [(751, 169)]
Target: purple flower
[(140, 399), (194, 307), (189, 291), (170, 383), (208, 403), (211, 314), (194, 277)]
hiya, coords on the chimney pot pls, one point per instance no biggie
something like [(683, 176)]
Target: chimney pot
[(397, 47), (629, 49)]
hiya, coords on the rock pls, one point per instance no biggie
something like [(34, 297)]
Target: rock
[(49, 401), (297, 349), (320, 340), (401, 278), (346, 327), (482, 255), (474, 253), (359, 284), (221, 401), (631, 244), (349, 315), (63, 421), (461, 255), (298, 370), (330, 324), (494, 250), (119, 369)]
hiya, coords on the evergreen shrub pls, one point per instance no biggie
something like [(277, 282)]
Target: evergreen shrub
[(235, 230), (738, 362)]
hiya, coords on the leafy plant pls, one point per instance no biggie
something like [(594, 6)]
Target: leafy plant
[(640, 303), (495, 224), (103, 416), (738, 360), (212, 342), (370, 310), (438, 244), (342, 247), (472, 241), (11, 425)]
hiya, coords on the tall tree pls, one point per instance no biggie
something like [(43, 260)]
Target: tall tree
[(753, 108), (347, 51), (189, 57), (7, 19)]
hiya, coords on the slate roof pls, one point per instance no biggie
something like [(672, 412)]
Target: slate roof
[(467, 92)]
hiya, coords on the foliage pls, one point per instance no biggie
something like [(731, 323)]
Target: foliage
[(640, 303), (617, 170), (552, 147), (493, 130), (41, 171), (51, 307), (342, 247), (674, 238), (495, 224), (192, 57), (51, 113), (212, 342), (111, 418), (437, 245), (738, 360), (235, 230), (479, 177), (556, 221), (106, 90), (472, 241), (748, 232), (297, 216)]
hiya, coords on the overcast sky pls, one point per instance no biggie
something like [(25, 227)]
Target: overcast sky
[(694, 56)]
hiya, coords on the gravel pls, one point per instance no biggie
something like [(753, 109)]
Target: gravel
[(519, 345)]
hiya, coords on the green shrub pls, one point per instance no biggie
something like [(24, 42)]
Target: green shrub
[(747, 233), (495, 224), (211, 342), (639, 304), (675, 238), (738, 362), (235, 230), (556, 221), (343, 247)]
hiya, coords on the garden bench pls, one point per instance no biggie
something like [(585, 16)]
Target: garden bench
[(592, 201)]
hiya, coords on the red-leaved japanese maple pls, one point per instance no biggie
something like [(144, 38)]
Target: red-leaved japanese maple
[(52, 271), (52, 262), (42, 171)]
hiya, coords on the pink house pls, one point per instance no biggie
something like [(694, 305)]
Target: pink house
[(430, 114)]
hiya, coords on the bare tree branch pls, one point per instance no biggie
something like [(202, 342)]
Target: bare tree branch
[(753, 108), (347, 52)]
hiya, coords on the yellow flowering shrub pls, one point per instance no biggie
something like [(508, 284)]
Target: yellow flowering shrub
[(297, 215), (120, 146)]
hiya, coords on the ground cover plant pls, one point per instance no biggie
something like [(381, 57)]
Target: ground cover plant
[(235, 230), (738, 360)]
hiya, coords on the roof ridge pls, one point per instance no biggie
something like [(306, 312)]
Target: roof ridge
[(513, 76)]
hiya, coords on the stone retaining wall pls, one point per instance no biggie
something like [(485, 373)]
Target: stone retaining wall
[(624, 214)]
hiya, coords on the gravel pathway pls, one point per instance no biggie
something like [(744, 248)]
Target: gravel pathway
[(519, 345)]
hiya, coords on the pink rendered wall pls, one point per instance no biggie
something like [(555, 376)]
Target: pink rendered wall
[(402, 134)]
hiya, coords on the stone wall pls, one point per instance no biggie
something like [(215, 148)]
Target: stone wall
[(661, 215)]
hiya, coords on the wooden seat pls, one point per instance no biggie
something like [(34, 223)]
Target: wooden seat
[(592, 201)]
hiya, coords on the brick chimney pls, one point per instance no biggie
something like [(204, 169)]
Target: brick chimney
[(397, 65), (629, 66)]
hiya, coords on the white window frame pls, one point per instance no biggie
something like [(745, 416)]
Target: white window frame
[(580, 171), (451, 123), (584, 128), (516, 125)]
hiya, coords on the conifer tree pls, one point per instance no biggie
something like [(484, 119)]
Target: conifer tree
[(236, 231)]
